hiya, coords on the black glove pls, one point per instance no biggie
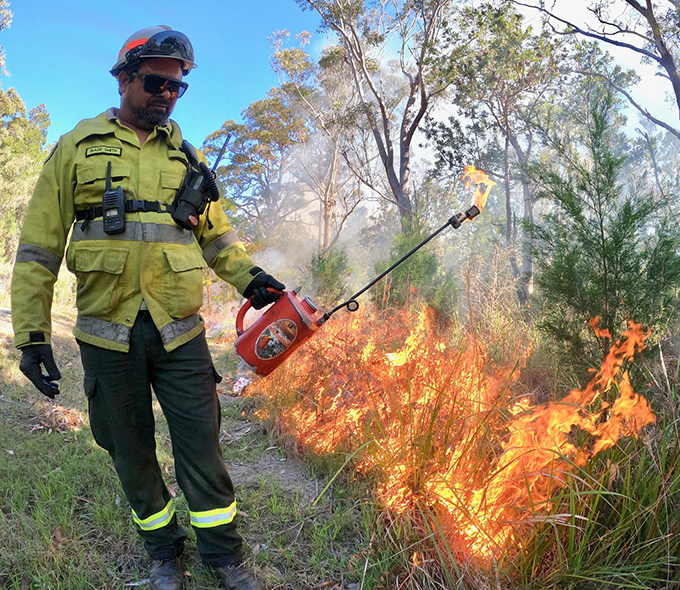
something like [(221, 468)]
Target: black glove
[(257, 290), (31, 358)]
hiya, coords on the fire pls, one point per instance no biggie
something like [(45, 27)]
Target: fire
[(472, 174), (438, 424)]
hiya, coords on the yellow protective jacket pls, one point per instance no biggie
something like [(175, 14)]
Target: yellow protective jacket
[(154, 260)]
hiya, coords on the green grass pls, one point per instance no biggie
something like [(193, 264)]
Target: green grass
[(65, 523), (623, 523)]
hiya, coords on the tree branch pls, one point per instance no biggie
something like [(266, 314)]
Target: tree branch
[(632, 101), (599, 37)]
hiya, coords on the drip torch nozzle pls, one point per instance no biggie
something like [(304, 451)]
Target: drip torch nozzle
[(472, 212), (455, 221)]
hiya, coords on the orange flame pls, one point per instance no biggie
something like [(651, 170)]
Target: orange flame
[(422, 412), (538, 453), (472, 174)]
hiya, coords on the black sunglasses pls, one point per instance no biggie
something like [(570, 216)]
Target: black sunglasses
[(155, 84)]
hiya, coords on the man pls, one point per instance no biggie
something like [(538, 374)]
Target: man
[(139, 273)]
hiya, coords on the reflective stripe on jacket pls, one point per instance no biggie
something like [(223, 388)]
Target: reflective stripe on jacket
[(154, 260)]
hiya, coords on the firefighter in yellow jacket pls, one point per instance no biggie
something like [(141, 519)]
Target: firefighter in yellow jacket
[(117, 185)]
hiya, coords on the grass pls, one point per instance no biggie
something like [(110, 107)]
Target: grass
[(317, 523), (622, 525), (65, 523), (613, 524)]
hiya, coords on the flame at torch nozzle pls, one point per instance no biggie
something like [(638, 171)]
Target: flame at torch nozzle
[(479, 177)]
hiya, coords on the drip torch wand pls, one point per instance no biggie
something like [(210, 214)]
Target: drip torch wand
[(352, 304)]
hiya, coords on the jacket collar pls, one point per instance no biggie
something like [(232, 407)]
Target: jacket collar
[(108, 123)]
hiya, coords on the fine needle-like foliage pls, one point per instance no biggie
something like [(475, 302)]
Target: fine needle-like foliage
[(604, 248)]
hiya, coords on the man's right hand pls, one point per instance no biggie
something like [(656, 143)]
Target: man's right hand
[(257, 290), (31, 358)]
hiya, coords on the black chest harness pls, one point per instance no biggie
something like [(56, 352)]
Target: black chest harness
[(198, 190)]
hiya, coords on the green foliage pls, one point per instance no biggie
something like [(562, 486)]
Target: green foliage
[(615, 525), (500, 71), (329, 271), (418, 278), (258, 177), (412, 277), (22, 136), (5, 22), (605, 249)]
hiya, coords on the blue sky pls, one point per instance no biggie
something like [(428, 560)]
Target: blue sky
[(60, 53)]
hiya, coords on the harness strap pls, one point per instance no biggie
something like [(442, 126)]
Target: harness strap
[(131, 206)]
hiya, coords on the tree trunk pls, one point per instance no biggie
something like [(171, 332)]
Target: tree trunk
[(508, 203)]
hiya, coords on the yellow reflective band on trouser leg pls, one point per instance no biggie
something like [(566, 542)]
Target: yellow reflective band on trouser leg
[(211, 518), (155, 521)]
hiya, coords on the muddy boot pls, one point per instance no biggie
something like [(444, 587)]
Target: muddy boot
[(165, 575), (237, 577)]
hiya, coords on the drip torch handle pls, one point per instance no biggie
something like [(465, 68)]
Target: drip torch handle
[(240, 316)]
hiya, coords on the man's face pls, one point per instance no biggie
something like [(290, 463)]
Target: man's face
[(138, 106)]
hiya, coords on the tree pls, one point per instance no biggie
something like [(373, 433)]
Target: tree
[(22, 137), (258, 177), (367, 31), (5, 22), (502, 75), (643, 27), (317, 92), (606, 248)]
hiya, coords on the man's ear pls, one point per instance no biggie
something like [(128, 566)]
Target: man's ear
[(124, 80)]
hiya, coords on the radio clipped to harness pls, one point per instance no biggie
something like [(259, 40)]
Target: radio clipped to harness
[(113, 206), (198, 191)]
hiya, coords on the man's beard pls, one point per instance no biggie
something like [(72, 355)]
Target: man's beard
[(148, 119)]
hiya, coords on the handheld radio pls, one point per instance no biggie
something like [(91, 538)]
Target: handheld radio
[(198, 191), (113, 206)]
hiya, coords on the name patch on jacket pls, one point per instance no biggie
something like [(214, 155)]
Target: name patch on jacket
[(103, 149)]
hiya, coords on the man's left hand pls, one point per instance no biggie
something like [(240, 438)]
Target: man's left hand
[(257, 290)]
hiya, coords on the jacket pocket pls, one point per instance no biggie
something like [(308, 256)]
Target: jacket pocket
[(99, 272), (91, 182), (186, 296), (170, 184)]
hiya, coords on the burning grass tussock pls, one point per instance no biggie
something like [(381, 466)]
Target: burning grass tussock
[(440, 426)]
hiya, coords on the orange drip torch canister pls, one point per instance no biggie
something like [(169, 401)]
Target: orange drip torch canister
[(280, 330)]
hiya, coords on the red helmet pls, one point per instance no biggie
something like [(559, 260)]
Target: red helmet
[(158, 41)]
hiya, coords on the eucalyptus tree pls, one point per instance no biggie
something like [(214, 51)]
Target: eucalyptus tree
[(647, 28), (22, 139), (5, 22), (321, 95), (384, 42), (257, 173), (502, 75)]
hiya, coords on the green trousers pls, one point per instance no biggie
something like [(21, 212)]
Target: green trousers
[(118, 386)]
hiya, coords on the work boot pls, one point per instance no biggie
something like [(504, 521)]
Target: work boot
[(237, 577), (165, 575)]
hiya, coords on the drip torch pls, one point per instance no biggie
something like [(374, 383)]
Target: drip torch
[(291, 321)]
